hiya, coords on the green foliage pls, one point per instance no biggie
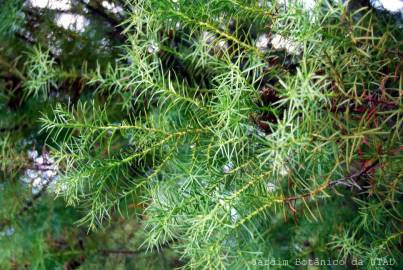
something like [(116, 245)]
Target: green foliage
[(41, 73), (10, 17), (231, 153)]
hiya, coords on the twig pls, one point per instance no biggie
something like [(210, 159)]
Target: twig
[(340, 181), (10, 68)]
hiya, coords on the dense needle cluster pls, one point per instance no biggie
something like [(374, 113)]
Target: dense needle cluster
[(238, 131)]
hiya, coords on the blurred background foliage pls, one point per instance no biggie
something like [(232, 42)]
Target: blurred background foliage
[(38, 231)]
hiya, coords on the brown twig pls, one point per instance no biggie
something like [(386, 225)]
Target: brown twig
[(340, 181), (12, 69)]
